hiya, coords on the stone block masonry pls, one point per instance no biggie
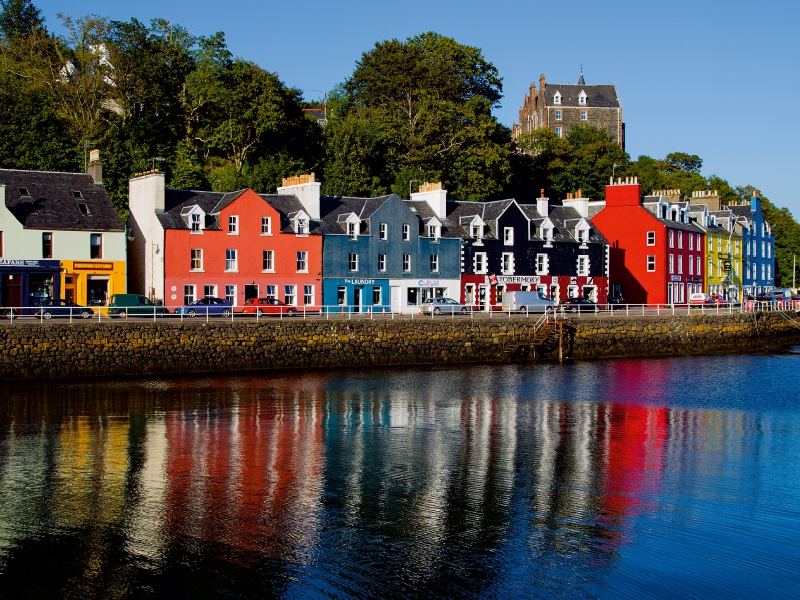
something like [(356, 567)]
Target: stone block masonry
[(56, 350)]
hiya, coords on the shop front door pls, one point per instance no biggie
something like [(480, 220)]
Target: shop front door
[(357, 292), (250, 291), (12, 290)]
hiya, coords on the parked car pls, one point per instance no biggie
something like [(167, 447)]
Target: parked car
[(438, 306), (700, 298), (579, 305), (717, 300), (134, 304), (615, 300), (64, 308), (267, 306), (766, 298), (527, 302), (7, 313), (206, 306)]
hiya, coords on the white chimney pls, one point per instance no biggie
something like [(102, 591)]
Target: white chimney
[(307, 191), (543, 206), (435, 196), (581, 205), (146, 249)]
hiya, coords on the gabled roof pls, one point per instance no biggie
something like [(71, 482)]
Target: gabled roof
[(602, 96), (650, 205), (450, 228), (52, 204), (489, 212), (332, 207), (565, 220)]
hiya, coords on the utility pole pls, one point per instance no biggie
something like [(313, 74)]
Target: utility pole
[(794, 268)]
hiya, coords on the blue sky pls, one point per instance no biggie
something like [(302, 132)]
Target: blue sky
[(708, 78)]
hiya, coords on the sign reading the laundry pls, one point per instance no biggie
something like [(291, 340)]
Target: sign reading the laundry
[(93, 266), (360, 281)]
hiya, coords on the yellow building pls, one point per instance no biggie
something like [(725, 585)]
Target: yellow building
[(92, 282)]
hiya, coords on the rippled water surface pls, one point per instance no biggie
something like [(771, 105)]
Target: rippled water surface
[(628, 478)]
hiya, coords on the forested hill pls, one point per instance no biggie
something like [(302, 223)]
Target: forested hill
[(416, 109)]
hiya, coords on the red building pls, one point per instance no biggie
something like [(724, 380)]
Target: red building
[(234, 246), (656, 251)]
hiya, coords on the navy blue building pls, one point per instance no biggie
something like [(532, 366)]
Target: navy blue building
[(759, 247), (385, 254), (29, 282)]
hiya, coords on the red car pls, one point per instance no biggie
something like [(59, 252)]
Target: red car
[(268, 306)]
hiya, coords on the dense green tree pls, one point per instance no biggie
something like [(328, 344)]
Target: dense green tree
[(19, 18)]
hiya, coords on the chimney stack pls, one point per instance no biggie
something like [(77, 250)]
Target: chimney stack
[(95, 167), (434, 195), (307, 190)]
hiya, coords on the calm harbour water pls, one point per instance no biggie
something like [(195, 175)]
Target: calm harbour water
[(626, 478)]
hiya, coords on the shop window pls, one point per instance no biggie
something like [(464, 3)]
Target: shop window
[(469, 294), (289, 295), (230, 294), (233, 225), (209, 291), (188, 294), (196, 259), (302, 261), (341, 295), (271, 291), (266, 226), (268, 261), (376, 295), (308, 295), (47, 245), (96, 245)]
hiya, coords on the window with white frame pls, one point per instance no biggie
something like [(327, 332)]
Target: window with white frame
[(671, 264), (230, 294), (699, 243), (196, 259), (680, 240), (189, 294), (301, 226), (559, 131), (558, 115), (268, 261), (547, 236), (266, 225), (406, 262), (651, 263), (583, 115), (541, 264), (582, 98), (691, 266), (583, 265), (406, 232), (376, 294), (477, 232), (352, 261), (691, 242), (710, 267), (769, 272), (557, 98), (710, 242), (231, 262), (308, 295), (699, 265), (508, 236), (290, 295), (302, 261), (480, 263), (196, 225), (680, 264), (382, 262), (434, 263), (351, 230), (384, 231), (271, 291), (763, 270), (582, 236), (507, 263), (651, 238), (719, 243), (209, 291), (233, 224), (1, 244), (671, 239), (434, 232)]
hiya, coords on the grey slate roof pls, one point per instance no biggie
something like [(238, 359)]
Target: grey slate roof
[(603, 96), (176, 200), (489, 212), (651, 208), (333, 207), (53, 205), (450, 229), (564, 221)]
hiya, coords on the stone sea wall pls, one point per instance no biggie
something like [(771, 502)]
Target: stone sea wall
[(107, 349)]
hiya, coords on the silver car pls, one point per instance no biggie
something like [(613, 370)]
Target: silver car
[(438, 306)]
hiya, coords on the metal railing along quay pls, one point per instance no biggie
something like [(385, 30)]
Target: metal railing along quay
[(27, 314)]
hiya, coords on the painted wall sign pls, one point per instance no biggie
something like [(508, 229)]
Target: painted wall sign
[(93, 266), (42, 264), (428, 283), (676, 278), (518, 279), (360, 281)]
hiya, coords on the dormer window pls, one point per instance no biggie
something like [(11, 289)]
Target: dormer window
[(557, 98), (582, 98), (547, 235), (302, 226), (433, 231), (476, 232), (582, 236), (352, 231), (196, 224)]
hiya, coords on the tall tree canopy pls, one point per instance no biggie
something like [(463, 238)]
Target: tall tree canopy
[(19, 17), (428, 103)]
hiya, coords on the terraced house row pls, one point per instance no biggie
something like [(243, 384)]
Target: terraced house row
[(60, 237)]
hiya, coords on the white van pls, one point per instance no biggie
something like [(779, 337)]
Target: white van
[(527, 302)]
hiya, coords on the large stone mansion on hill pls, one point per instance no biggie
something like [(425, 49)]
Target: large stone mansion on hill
[(559, 106)]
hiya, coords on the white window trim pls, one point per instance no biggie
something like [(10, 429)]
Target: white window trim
[(269, 226), (653, 243), (510, 257), (484, 268), (235, 261), (651, 259), (350, 261), (272, 270), (508, 236), (298, 252), (546, 264), (407, 269), (406, 232), (384, 231), (235, 223), (583, 259)]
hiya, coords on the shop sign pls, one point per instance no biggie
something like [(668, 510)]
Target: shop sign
[(428, 283), (360, 281), (93, 266), (518, 279), (676, 278)]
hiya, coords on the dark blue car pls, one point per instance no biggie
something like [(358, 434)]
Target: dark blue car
[(206, 306), (64, 308)]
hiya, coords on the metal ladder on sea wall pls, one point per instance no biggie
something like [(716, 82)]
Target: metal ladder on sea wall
[(542, 331)]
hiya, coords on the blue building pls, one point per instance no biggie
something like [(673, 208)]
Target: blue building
[(385, 254), (759, 247)]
